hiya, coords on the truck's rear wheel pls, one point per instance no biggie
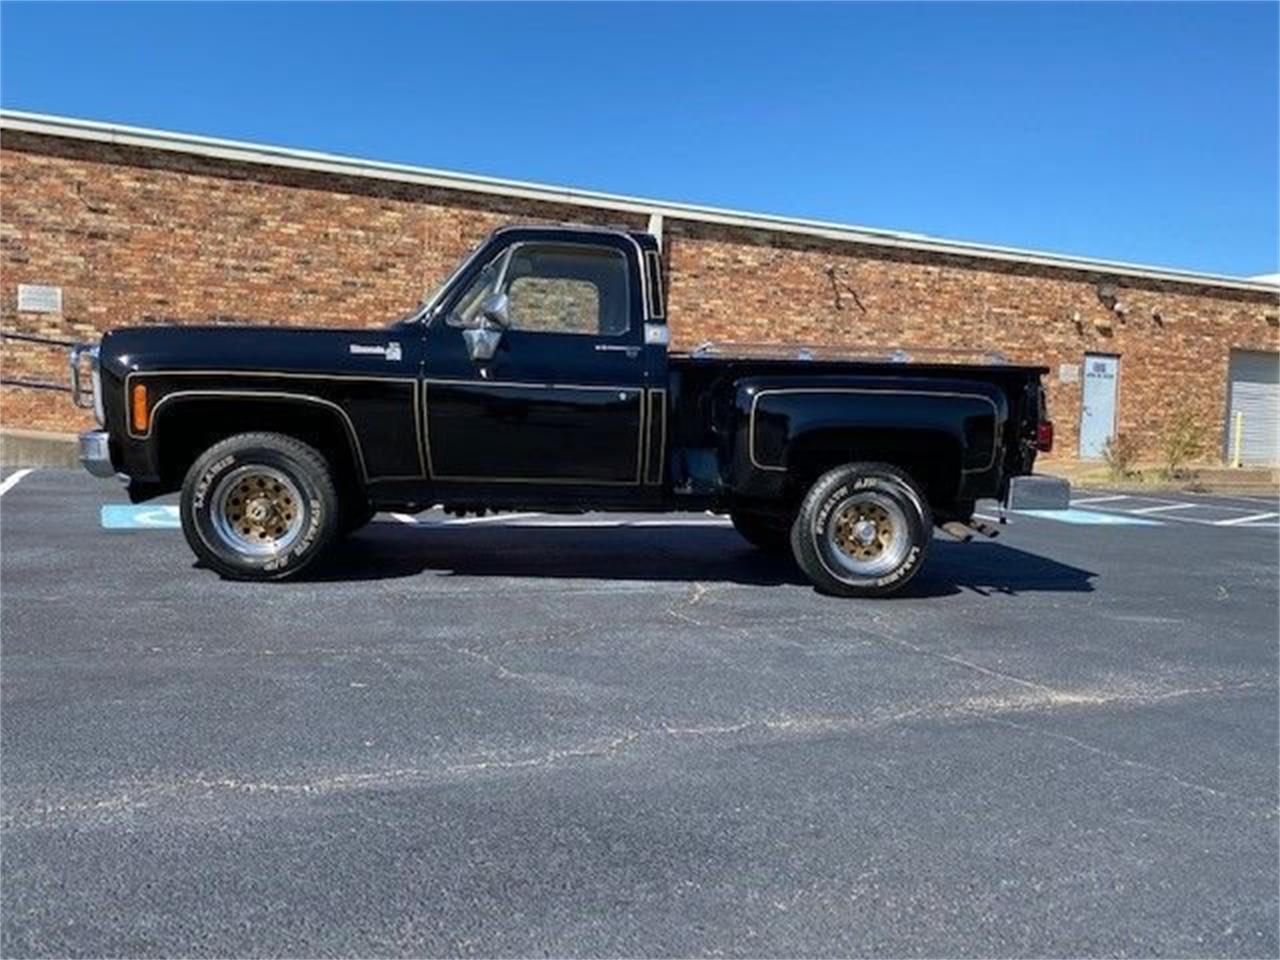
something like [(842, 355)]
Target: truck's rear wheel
[(259, 506), (862, 531), (772, 534)]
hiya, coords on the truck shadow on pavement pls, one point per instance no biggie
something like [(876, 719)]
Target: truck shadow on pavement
[(386, 551)]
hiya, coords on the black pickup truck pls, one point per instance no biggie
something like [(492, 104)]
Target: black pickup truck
[(538, 378)]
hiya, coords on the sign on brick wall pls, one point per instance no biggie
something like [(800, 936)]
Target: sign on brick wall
[(38, 298)]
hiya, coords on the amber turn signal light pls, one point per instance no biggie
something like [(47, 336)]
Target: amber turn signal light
[(141, 414)]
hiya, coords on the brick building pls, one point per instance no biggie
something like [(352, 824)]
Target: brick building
[(102, 226)]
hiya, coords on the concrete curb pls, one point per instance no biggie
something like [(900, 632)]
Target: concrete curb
[(1145, 478), (35, 448)]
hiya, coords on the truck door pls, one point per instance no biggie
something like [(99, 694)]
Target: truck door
[(562, 398)]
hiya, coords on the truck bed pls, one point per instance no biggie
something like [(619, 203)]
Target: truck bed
[(704, 383)]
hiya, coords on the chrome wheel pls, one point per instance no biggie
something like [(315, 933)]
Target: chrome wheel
[(862, 530), (257, 511), (867, 535)]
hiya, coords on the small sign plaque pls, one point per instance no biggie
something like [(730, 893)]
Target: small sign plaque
[(39, 299), (1069, 373)]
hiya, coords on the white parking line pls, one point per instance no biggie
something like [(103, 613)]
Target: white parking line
[(1176, 518), (572, 523), (13, 480), (690, 522), (457, 521), (1236, 521), (532, 520), (1162, 509), (1225, 501), (1223, 498), (497, 517)]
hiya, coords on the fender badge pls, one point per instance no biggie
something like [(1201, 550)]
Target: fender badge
[(390, 352)]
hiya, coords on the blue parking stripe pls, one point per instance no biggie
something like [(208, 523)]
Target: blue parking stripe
[(1090, 518), (127, 516)]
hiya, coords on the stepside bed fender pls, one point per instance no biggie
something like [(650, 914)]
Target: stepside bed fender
[(944, 429)]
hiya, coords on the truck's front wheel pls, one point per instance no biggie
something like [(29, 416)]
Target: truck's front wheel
[(259, 506), (862, 531)]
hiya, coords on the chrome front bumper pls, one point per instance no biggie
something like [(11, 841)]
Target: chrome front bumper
[(95, 453)]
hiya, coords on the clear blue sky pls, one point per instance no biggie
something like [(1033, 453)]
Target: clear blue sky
[(1144, 132)]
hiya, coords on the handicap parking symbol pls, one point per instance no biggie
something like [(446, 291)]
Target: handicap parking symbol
[(123, 516)]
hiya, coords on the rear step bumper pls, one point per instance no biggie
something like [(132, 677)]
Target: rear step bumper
[(1038, 492)]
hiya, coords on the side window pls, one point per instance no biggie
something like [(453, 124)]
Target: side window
[(555, 288), (654, 264), (568, 288), (555, 304)]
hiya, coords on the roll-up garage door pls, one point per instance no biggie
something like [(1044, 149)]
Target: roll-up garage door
[(1255, 394)]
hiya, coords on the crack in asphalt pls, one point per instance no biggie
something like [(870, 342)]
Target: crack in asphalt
[(143, 797), (960, 661), (1115, 757)]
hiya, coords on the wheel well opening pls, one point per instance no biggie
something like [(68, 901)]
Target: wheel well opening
[(189, 427)]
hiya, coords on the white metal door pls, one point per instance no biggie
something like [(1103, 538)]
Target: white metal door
[(1098, 406), (1253, 406)]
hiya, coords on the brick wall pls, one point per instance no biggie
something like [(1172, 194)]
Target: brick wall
[(145, 236)]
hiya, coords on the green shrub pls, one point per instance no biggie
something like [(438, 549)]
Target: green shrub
[(1120, 454), (1183, 443)]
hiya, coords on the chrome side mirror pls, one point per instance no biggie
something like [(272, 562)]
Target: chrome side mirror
[(495, 316), (482, 341)]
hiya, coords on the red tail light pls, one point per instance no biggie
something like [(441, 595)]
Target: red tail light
[(1044, 436)]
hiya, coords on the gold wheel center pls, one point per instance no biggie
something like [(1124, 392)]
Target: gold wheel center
[(863, 530), (260, 508)]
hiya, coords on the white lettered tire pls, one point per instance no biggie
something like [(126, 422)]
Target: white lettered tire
[(863, 530), (259, 506)]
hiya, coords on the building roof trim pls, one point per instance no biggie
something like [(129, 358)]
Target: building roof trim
[(235, 150)]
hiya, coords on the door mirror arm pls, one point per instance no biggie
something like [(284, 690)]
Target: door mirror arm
[(496, 308)]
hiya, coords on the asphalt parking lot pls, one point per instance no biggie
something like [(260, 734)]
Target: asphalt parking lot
[(637, 736)]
